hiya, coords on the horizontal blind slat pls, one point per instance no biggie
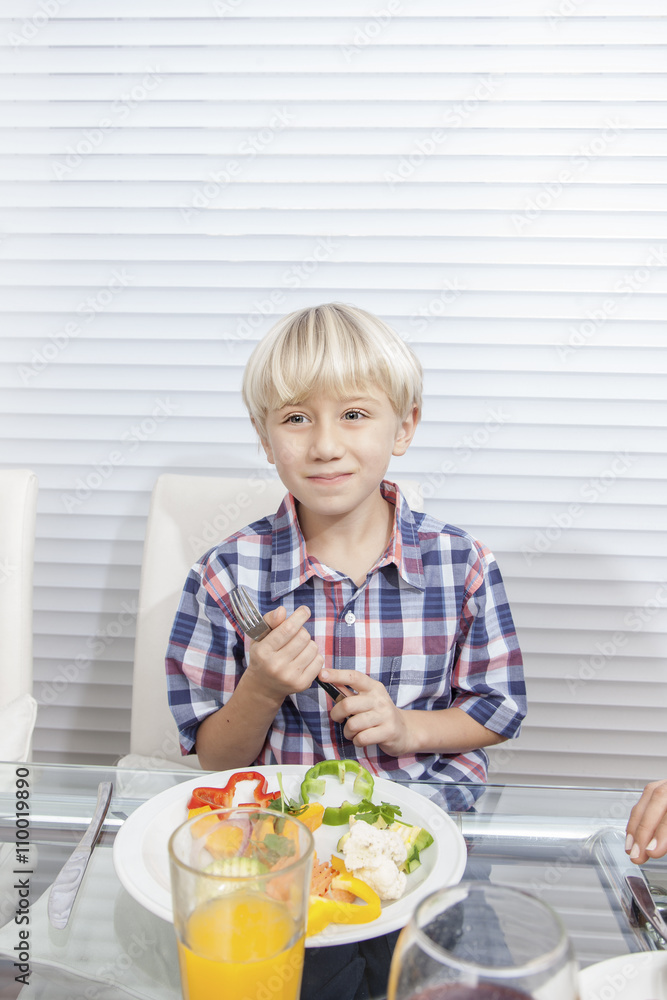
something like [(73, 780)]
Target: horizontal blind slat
[(372, 127), (346, 10)]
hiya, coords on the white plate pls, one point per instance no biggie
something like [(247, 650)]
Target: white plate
[(141, 857), (637, 976)]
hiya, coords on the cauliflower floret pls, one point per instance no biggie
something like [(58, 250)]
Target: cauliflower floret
[(385, 878), (374, 856), (367, 842)]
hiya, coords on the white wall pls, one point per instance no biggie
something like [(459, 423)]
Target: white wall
[(487, 176)]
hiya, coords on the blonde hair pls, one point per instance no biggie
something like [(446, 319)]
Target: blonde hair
[(334, 349)]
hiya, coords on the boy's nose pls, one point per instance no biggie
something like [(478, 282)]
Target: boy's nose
[(325, 443)]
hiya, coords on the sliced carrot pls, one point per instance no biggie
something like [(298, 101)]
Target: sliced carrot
[(279, 887), (341, 895), (321, 878)]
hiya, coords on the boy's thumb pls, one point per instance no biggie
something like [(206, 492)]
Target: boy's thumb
[(276, 617)]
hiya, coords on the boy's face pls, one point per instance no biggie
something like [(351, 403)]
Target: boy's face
[(331, 453)]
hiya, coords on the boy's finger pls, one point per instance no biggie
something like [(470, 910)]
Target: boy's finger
[(289, 628), (312, 667), (332, 676), (275, 617), (351, 706), (352, 678)]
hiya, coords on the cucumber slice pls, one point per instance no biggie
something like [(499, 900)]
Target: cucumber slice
[(236, 867)]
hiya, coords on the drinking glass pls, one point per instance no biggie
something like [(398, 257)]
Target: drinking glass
[(240, 881), (480, 941)]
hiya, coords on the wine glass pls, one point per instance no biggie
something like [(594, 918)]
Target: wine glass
[(481, 941)]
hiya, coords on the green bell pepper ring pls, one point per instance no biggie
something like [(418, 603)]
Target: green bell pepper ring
[(336, 816), (314, 783)]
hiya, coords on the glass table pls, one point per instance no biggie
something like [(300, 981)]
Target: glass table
[(562, 844)]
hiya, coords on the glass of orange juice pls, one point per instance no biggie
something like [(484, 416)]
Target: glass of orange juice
[(240, 881)]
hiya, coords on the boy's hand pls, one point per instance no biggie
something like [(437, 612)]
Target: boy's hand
[(647, 827), (372, 717), (286, 660)]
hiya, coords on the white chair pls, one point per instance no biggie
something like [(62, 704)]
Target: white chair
[(188, 515), (18, 708)]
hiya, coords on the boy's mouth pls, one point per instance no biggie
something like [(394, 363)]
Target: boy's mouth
[(329, 477)]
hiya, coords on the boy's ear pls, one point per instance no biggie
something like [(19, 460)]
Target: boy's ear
[(406, 432), (264, 441)]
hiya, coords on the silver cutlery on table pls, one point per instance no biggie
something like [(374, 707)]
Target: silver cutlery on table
[(64, 889), (250, 619), (641, 894)]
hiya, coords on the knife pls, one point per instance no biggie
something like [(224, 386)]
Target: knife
[(64, 889), (641, 894)]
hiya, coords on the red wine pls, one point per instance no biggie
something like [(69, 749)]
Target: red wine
[(484, 991)]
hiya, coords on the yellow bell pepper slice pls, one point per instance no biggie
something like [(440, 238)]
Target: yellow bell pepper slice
[(323, 912)]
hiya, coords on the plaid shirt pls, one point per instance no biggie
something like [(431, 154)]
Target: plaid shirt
[(431, 622)]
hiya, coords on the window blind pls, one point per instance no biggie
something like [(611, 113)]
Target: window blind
[(487, 177)]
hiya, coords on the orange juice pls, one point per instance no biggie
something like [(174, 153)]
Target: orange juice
[(241, 946)]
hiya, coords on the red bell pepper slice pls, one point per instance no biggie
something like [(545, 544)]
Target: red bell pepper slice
[(223, 798)]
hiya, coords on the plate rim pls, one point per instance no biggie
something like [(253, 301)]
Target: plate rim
[(138, 821), (589, 978)]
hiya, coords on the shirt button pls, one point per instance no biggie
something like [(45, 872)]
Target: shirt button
[(350, 618)]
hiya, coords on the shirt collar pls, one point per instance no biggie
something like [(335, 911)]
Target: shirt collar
[(290, 566)]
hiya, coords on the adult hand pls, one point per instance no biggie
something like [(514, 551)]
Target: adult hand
[(287, 660), (647, 826), (372, 718)]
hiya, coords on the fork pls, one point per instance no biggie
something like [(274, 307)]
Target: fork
[(250, 619)]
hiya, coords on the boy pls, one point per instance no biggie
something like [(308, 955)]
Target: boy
[(408, 616)]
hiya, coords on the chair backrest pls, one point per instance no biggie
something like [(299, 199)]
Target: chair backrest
[(18, 708), (18, 505), (188, 515)]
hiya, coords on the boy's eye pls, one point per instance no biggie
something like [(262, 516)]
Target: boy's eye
[(354, 415), (295, 418)]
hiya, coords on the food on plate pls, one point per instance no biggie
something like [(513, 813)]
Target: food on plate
[(220, 798), (334, 909), (236, 867), (379, 849), (207, 821), (323, 874), (415, 838), (249, 838), (371, 812), (376, 856), (254, 845), (314, 784), (311, 815), (225, 841)]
